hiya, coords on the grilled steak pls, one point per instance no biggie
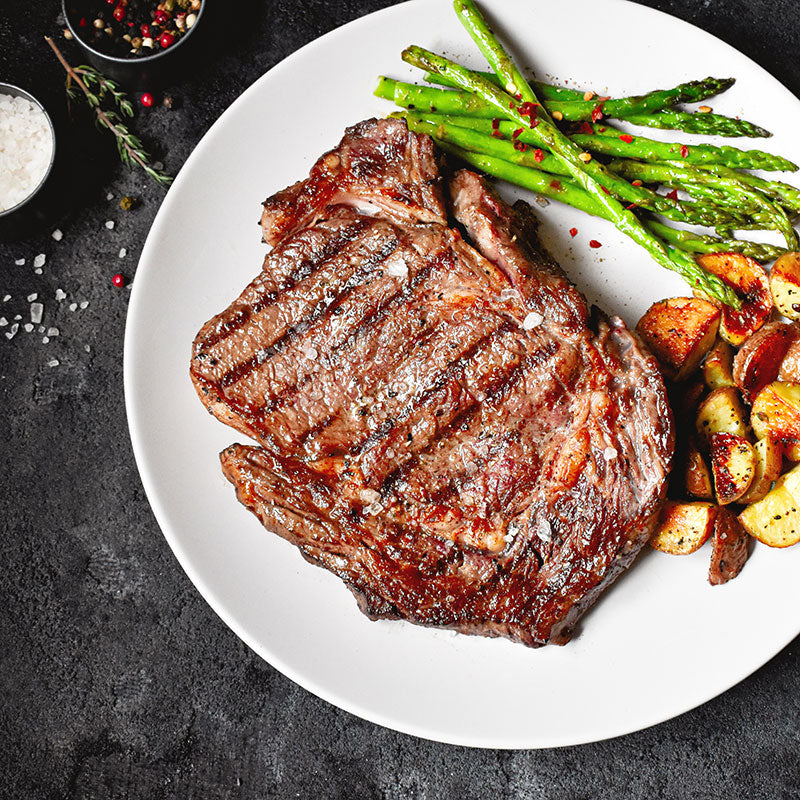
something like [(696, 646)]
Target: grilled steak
[(449, 429)]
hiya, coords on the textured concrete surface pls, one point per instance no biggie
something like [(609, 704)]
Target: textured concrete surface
[(117, 680)]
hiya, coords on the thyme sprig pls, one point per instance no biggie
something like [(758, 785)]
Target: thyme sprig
[(98, 89)]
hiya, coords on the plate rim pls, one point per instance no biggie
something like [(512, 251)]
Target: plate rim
[(136, 428)]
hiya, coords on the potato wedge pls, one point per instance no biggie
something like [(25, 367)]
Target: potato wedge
[(784, 283), (730, 548), (718, 366), (775, 519), (776, 413), (697, 475), (680, 331), (684, 527), (790, 366), (769, 460), (721, 412), (759, 360), (733, 463), (748, 278)]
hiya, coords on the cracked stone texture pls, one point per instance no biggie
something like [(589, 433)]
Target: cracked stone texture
[(117, 679)]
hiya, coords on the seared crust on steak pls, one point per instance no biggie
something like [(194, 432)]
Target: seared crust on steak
[(449, 430)]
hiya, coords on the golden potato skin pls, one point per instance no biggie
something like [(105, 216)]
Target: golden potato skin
[(790, 366), (684, 528), (718, 366), (776, 413), (784, 283), (759, 359), (769, 460), (748, 278), (721, 412), (730, 548), (680, 331), (775, 519), (733, 463)]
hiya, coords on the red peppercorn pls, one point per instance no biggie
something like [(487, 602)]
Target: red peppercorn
[(118, 280), (161, 17), (119, 13), (146, 31), (594, 243), (573, 232), (82, 22), (147, 100), (166, 39)]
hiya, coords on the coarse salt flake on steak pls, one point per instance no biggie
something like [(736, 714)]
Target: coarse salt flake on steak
[(445, 426)]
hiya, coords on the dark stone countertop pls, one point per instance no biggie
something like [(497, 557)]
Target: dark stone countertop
[(118, 681)]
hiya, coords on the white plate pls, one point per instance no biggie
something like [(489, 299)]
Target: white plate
[(662, 640)]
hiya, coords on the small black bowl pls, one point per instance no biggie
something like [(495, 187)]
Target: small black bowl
[(136, 72), (29, 214)]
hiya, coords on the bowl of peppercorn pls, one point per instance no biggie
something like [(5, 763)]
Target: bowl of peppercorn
[(140, 43)]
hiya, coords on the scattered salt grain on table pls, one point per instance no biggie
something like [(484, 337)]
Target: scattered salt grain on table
[(73, 306), (3, 322), (12, 331), (57, 235), (32, 297), (122, 252), (20, 262), (85, 304), (37, 272), (53, 362), (39, 260), (26, 146), (110, 224), (37, 310), (52, 332), (45, 340), (60, 294), (6, 298), (27, 327), (110, 196), (40, 329), (87, 348)]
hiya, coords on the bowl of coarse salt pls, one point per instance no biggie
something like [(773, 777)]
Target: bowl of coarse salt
[(27, 153)]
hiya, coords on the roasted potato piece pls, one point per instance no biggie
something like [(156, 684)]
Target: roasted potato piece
[(733, 463), (769, 460), (784, 283), (721, 412), (790, 366), (776, 413), (718, 366), (684, 527), (759, 360), (730, 548), (747, 277), (775, 519), (697, 475), (680, 331)]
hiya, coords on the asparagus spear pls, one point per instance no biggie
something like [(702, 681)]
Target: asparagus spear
[(446, 101), (710, 124), (786, 195), (612, 142), (586, 174), (689, 178), (545, 90), (478, 136)]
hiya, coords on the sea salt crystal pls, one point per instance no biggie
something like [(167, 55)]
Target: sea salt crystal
[(53, 362), (28, 327), (32, 297), (12, 331), (6, 298), (87, 348), (73, 306), (3, 322), (609, 454), (17, 316), (85, 304), (397, 268), (122, 252), (39, 260), (37, 272), (532, 321), (20, 262), (110, 224), (369, 496), (511, 532), (544, 531), (26, 146), (37, 310), (508, 294), (57, 235), (110, 196), (52, 332), (40, 329), (45, 340), (60, 294)]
